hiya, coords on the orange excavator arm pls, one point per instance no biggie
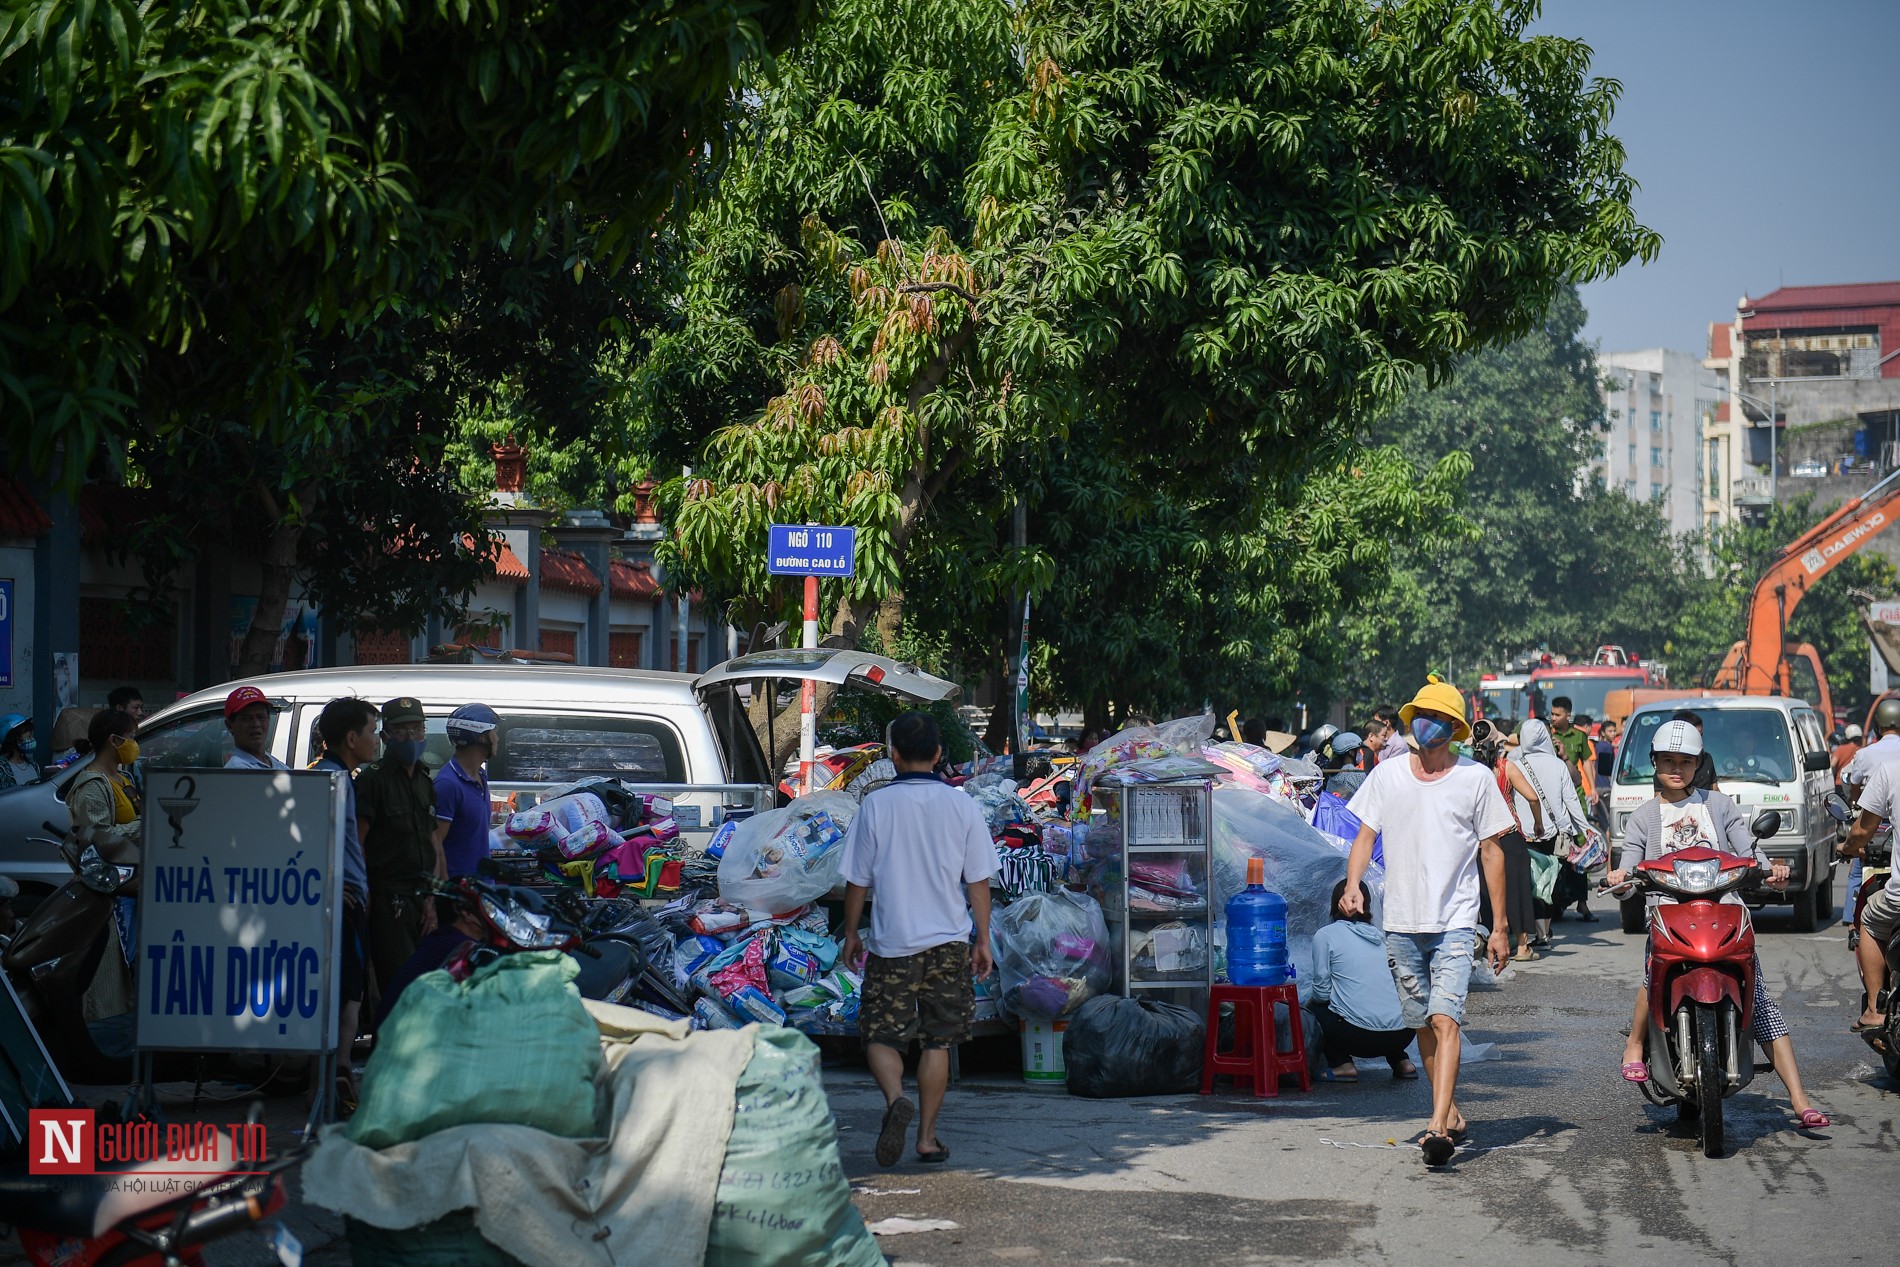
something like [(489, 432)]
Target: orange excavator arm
[(1758, 665)]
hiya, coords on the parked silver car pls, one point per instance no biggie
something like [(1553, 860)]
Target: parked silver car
[(689, 737)]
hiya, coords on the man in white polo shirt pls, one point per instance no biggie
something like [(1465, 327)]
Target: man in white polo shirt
[(925, 848)]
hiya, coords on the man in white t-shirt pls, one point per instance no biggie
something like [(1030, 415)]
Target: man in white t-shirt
[(1441, 816), (925, 848), (1880, 918), (1855, 776)]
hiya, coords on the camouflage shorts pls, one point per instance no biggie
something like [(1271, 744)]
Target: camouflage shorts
[(930, 992)]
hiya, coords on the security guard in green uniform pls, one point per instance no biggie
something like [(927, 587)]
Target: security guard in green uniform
[(395, 808)]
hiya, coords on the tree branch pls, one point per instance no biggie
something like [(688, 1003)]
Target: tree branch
[(913, 288)]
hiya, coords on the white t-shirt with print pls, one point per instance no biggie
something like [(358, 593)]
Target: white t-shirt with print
[(1685, 825), (1880, 797), (1432, 830)]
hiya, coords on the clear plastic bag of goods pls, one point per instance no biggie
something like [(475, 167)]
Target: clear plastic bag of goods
[(1052, 950), (512, 1044), (1186, 734), (783, 1198), (1174, 950), (998, 798), (785, 858), (1302, 866), (1123, 1047)]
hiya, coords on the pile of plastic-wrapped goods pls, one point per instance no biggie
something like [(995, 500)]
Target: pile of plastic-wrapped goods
[(762, 949), (599, 835)]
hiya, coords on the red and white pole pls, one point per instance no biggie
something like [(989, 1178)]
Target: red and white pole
[(808, 693)]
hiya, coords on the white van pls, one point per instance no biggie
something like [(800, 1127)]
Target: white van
[(1770, 752), (688, 737)]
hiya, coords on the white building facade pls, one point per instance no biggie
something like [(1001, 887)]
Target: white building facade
[(1660, 405)]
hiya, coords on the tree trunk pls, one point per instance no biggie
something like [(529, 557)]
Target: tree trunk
[(273, 596)]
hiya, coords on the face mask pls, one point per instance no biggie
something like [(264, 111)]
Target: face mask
[(404, 751), (1431, 732), (128, 751), (29, 746)]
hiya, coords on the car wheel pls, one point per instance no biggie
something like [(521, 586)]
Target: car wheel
[(1635, 915), (1806, 907)]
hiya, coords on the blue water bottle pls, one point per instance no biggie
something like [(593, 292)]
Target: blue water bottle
[(1256, 932)]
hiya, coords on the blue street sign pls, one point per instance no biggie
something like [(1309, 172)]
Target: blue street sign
[(811, 550), (6, 633)]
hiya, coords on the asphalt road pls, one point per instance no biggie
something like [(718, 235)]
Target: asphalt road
[(1567, 1164)]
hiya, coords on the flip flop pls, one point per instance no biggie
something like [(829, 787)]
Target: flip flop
[(1814, 1119), (1438, 1148), (934, 1159), (1460, 1135), (1406, 1075), (1635, 1071), (890, 1136), (1862, 1027), (1327, 1075)]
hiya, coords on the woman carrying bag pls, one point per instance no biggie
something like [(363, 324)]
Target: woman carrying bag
[(1562, 820)]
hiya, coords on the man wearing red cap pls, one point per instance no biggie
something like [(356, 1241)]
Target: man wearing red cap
[(247, 717)]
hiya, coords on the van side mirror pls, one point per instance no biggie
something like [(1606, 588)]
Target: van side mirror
[(1766, 824), (1838, 809), (1815, 762)]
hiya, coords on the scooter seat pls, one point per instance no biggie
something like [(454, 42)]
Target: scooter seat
[(64, 1205), (605, 964)]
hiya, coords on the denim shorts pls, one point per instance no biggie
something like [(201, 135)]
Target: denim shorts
[(1433, 972)]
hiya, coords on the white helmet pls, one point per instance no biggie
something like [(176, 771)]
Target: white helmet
[(1677, 736)]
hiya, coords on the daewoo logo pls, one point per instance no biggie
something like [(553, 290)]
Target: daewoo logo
[(1813, 559)]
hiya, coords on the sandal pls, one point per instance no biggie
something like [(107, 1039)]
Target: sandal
[(1438, 1147), (1635, 1071), (1863, 1027), (1327, 1075), (1814, 1120), (936, 1158), (890, 1136), (1405, 1075)]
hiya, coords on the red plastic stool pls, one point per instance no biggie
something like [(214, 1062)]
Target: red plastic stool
[(1257, 1054)]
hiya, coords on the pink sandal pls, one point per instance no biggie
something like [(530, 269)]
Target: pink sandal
[(1635, 1071), (1814, 1119)]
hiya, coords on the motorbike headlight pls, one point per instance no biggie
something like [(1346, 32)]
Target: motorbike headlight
[(1698, 877), (522, 927)]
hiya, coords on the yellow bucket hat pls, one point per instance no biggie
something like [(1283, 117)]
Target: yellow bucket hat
[(1438, 696)]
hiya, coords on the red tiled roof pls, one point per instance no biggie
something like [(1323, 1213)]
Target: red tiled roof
[(1852, 295), (1875, 304), (568, 571), (508, 565), (20, 513), (1720, 348), (633, 580)]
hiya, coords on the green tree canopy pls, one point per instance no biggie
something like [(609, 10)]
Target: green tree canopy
[(195, 191), (1182, 254), (1549, 558)]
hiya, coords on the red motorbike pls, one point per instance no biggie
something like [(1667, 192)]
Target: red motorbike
[(151, 1216), (1701, 983)]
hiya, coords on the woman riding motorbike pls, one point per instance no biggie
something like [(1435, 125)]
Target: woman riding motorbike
[(1682, 816), (103, 816)]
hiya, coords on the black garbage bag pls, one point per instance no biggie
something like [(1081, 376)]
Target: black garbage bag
[(1120, 1047)]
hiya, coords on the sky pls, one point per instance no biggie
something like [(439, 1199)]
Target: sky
[(1765, 139)]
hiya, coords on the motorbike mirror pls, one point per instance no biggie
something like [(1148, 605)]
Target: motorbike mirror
[(1766, 824), (1838, 809)]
